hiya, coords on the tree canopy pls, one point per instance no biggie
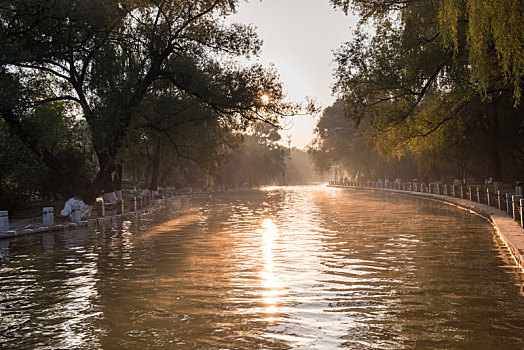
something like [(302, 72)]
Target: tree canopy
[(490, 32), (107, 63), (417, 85)]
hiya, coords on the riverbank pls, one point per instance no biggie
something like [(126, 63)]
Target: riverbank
[(24, 227), (507, 228)]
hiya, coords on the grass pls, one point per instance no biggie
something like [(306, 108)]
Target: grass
[(34, 209)]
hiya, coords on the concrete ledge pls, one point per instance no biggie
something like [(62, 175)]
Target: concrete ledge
[(101, 221), (508, 229)]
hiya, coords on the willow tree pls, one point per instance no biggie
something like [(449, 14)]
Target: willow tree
[(491, 27), (104, 58), (415, 93)]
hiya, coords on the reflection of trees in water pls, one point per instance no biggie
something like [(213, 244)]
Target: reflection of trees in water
[(286, 267), (416, 272)]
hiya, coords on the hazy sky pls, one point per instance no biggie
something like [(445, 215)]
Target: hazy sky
[(299, 38)]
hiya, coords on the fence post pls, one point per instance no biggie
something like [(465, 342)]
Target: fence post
[(509, 204), (516, 200), (438, 189), (133, 204), (4, 220), (120, 206), (462, 194), (522, 212), (48, 218), (471, 193), (488, 197), (100, 209), (500, 199), (75, 212), (478, 195)]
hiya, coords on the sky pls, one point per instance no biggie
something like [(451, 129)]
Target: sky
[(299, 39)]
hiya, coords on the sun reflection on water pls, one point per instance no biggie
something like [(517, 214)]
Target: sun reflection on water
[(270, 188), (272, 285)]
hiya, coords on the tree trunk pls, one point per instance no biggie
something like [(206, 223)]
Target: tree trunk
[(146, 175), (108, 176), (61, 169), (155, 172), (117, 178), (103, 180), (165, 176), (496, 164)]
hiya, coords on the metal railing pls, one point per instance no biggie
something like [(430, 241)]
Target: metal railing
[(511, 203)]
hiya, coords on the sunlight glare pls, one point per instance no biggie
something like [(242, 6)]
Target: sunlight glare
[(265, 99), (272, 285), (270, 188)]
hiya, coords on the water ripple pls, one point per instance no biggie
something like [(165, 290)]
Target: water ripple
[(297, 267)]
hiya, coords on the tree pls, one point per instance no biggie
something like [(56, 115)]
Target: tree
[(490, 36), (414, 94), (259, 161), (338, 143), (23, 174), (178, 128), (104, 59)]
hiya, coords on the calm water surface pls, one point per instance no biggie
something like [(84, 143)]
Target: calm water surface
[(295, 267)]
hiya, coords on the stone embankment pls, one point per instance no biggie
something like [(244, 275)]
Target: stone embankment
[(138, 206), (502, 209)]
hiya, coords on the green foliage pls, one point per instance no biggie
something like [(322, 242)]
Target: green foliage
[(23, 174), (416, 89), (20, 173), (108, 62), (494, 38), (260, 161), (489, 33), (339, 144)]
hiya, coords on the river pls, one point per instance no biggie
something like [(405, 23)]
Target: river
[(281, 268)]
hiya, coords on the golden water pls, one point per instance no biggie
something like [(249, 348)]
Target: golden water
[(295, 267)]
